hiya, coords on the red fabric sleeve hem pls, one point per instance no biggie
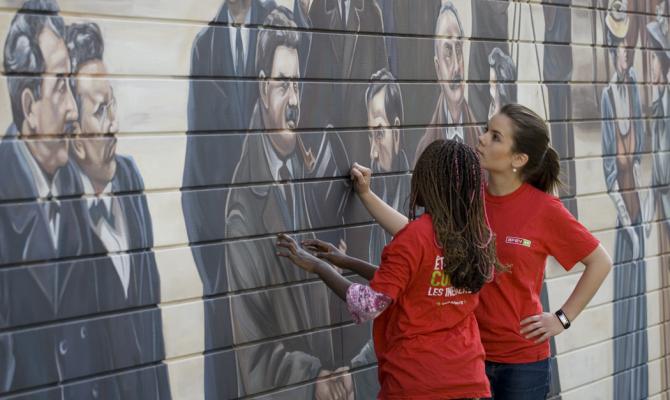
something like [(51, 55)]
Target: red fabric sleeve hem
[(570, 264)]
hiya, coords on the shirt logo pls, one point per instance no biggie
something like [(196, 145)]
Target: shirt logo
[(518, 241)]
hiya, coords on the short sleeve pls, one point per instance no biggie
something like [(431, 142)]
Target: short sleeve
[(364, 303), (568, 241), (399, 262)]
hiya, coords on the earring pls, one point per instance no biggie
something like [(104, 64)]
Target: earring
[(514, 170)]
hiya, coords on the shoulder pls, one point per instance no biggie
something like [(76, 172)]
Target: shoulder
[(553, 209), (126, 170), (264, 8), (417, 231)]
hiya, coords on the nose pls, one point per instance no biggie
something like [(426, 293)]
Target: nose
[(293, 96), (481, 139), (71, 111)]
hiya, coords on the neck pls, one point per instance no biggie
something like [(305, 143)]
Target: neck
[(98, 187), (503, 183), (238, 10)]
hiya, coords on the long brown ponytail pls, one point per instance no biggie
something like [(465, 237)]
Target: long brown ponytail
[(531, 137)]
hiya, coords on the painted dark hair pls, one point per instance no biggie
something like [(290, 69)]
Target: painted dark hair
[(270, 39), (448, 182), (23, 58), (531, 137), (383, 79), (503, 65), (84, 42)]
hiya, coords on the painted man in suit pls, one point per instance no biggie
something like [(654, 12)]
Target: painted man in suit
[(502, 75), (216, 105), (342, 57), (46, 227), (623, 137), (452, 108), (489, 21), (270, 209), (115, 223), (385, 117)]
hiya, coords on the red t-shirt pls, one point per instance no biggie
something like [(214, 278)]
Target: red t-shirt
[(427, 341), (529, 226)]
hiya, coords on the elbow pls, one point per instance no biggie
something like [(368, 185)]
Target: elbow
[(605, 263), (600, 261)]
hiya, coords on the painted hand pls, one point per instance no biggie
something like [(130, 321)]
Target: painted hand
[(297, 254), (541, 327), (361, 177), (335, 388)]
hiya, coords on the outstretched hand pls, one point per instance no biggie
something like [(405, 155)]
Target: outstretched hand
[(297, 254), (324, 250)]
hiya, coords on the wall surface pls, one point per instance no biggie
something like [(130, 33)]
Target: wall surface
[(142, 182)]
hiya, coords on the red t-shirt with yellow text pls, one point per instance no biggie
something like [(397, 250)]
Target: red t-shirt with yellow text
[(529, 226), (427, 341)]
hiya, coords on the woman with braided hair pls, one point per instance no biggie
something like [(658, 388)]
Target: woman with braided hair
[(530, 224), (423, 295)]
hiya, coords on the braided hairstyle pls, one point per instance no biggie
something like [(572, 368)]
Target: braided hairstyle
[(448, 183)]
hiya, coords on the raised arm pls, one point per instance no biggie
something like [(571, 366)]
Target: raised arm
[(388, 217)]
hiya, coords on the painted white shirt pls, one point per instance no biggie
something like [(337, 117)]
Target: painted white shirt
[(232, 33), (453, 132), (345, 5), (115, 239), (45, 190)]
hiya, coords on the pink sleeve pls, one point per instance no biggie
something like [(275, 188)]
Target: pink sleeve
[(364, 303)]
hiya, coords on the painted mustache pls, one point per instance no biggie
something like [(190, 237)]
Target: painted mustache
[(456, 83), (292, 114), (69, 127)]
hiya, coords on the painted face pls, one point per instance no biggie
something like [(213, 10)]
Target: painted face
[(494, 96), (96, 152), (495, 145), (449, 64), (281, 100), (56, 111), (384, 140)]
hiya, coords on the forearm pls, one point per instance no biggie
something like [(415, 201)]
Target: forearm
[(598, 266), (388, 217), (336, 282), (362, 268)]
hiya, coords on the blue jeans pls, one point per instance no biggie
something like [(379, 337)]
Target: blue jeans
[(528, 381)]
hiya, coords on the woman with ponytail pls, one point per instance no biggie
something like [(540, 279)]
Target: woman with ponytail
[(530, 224), (423, 295)]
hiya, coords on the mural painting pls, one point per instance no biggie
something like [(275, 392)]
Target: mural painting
[(276, 101)]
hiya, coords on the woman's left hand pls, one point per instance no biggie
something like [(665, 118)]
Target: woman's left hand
[(541, 327), (297, 254)]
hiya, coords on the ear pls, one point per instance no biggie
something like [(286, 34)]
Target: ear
[(77, 148), (27, 103), (396, 135), (263, 87), (519, 160)]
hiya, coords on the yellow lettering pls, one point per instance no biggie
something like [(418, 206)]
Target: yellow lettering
[(435, 280)]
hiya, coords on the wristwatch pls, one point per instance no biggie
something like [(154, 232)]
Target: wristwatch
[(562, 319)]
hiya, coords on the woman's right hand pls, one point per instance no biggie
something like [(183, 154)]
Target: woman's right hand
[(361, 177), (324, 250)]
